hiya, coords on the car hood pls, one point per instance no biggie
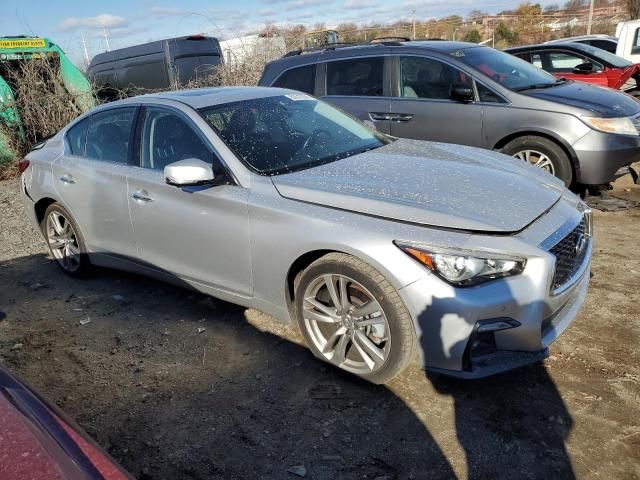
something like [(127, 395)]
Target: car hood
[(603, 101), (442, 185)]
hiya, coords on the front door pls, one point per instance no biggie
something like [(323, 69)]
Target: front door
[(92, 180), (201, 236), (424, 108)]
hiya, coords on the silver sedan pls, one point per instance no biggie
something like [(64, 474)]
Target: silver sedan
[(380, 249)]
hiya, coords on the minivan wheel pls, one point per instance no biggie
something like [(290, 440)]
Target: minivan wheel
[(65, 241), (353, 318), (542, 153)]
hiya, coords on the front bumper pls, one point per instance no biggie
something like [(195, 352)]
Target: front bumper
[(447, 319), (603, 156)]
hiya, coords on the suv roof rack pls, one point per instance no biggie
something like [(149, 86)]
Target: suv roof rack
[(395, 42)]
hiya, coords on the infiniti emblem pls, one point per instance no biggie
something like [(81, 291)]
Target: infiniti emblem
[(581, 243)]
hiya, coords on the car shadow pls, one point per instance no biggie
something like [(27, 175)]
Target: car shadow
[(175, 384), (510, 425)]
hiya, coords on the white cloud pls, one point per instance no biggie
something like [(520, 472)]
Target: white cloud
[(105, 20)]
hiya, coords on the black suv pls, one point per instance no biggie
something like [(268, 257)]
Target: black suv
[(473, 95)]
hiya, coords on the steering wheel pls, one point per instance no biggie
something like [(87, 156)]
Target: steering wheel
[(313, 138)]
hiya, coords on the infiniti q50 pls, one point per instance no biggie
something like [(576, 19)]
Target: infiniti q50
[(380, 249)]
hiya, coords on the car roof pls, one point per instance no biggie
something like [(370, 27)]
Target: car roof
[(206, 97), (594, 36), (545, 46)]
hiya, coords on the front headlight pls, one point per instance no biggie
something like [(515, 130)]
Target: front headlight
[(464, 268), (621, 125)]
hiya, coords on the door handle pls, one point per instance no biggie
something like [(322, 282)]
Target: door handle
[(400, 117), (142, 196), (67, 179), (379, 117)]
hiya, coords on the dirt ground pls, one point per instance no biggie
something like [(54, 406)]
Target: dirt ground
[(178, 385)]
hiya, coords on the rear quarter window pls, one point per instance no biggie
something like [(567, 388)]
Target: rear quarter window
[(76, 137), (302, 79)]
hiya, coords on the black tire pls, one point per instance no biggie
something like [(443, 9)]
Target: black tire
[(400, 324), (83, 267), (558, 157)]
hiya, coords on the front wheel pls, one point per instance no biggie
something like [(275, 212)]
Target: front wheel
[(353, 318), (542, 153)]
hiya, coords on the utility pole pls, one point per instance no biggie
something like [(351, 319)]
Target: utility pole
[(86, 53), (413, 13), (106, 38), (590, 17)]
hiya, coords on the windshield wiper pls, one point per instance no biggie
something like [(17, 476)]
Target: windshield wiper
[(535, 86)]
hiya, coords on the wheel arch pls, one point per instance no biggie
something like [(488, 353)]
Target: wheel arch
[(40, 207), (575, 164)]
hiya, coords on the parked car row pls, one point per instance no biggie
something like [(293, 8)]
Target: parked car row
[(474, 95)]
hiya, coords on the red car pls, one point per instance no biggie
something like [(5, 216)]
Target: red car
[(583, 63), (37, 441)]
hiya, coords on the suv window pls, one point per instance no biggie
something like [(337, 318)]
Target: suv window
[(108, 135), (77, 136), (422, 77), (358, 77), (302, 79), (606, 45), (167, 138)]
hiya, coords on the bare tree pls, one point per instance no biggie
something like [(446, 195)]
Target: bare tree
[(633, 8)]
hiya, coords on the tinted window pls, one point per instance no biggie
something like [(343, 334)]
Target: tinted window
[(605, 45), (488, 96), (301, 78), (193, 68), (428, 78), (76, 137), (359, 76), (284, 133), (167, 138), (108, 135)]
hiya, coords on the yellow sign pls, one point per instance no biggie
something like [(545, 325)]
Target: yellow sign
[(23, 43)]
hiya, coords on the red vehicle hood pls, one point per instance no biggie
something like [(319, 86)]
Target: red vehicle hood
[(626, 74), (38, 441)]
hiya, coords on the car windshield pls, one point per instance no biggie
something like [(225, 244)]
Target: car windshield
[(603, 55), (509, 71), (284, 133)]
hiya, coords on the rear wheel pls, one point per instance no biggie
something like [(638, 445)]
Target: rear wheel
[(353, 318), (542, 153), (65, 241)]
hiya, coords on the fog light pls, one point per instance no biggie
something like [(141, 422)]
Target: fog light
[(495, 324)]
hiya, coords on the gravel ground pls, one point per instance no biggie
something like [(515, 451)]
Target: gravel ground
[(178, 385)]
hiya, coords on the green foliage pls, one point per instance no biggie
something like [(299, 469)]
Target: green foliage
[(473, 36), (505, 34)]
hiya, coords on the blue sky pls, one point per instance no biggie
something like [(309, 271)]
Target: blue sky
[(130, 22)]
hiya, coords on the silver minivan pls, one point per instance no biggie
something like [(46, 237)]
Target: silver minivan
[(473, 95)]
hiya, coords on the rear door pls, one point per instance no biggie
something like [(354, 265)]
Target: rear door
[(361, 87), (199, 235), (91, 179), (424, 109)]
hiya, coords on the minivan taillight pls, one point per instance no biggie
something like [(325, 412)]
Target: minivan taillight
[(23, 165)]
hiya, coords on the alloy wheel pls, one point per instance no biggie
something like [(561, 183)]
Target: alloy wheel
[(537, 159), (63, 241), (346, 323)]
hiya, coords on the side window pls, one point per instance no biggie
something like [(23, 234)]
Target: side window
[(422, 77), (486, 95), (301, 78), (108, 135), (167, 138), (77, 136), (536, 59), (607, 45), (561, 62), (358, 77), (636, 42)]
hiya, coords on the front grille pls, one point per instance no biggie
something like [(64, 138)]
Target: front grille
[(569, 257)]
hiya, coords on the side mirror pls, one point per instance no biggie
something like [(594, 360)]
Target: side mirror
[(462, 93), (586, 67), (189, 172)]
